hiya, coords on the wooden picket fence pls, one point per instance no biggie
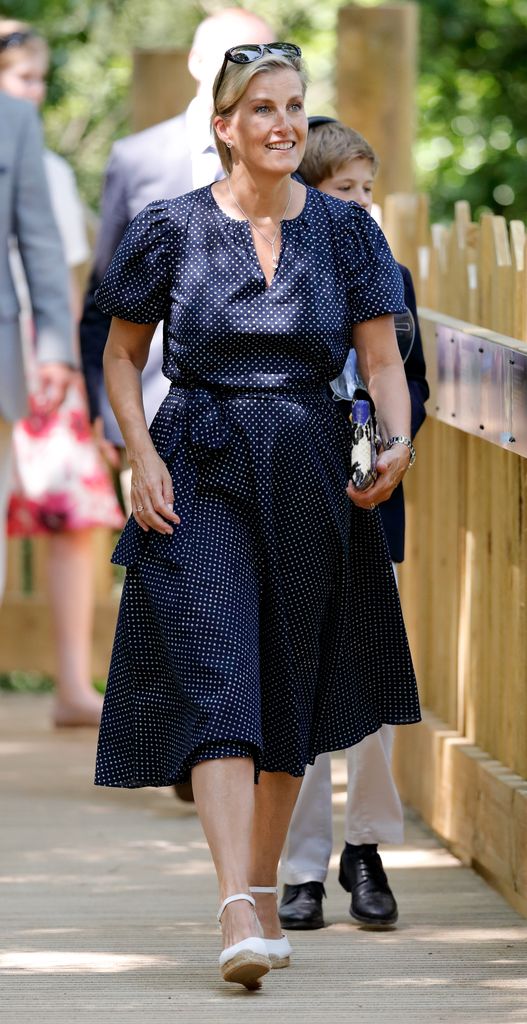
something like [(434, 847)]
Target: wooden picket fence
[(464, 581)]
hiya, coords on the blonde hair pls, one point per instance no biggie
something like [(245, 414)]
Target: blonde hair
[(33, 46), (235, 80), (330, 146)]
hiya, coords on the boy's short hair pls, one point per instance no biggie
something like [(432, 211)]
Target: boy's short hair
[(328, 147), (29, 43)]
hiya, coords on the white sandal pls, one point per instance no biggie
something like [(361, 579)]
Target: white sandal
[(245, 962), (279, 951)]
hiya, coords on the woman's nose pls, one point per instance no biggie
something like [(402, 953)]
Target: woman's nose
[(282, 119)]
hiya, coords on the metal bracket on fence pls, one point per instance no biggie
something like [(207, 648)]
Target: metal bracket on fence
[(478, 380)]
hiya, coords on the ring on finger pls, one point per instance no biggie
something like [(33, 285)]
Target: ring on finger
[(373, 505), (140, 508)]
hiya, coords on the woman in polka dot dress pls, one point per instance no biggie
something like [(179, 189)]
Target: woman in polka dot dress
[(259, 622)]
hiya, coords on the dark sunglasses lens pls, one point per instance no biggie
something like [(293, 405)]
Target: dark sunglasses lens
[(288, 49), (245, 54)]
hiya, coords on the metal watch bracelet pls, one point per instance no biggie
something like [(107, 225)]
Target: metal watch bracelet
[(401, 439)]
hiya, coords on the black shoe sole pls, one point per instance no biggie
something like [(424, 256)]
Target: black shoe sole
[(300, 926), (368, 922)]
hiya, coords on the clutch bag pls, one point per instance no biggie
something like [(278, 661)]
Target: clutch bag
[(363, 444)]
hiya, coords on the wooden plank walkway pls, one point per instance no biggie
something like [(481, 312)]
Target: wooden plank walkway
[(108, 901)]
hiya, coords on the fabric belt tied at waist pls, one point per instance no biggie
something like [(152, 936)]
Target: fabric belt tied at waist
[(199, 424)]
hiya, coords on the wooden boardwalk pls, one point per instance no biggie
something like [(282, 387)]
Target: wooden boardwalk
[(108, 913)]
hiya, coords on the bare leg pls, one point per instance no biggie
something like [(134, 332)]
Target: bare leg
[(70, 583), (275, 798), (224, 795)]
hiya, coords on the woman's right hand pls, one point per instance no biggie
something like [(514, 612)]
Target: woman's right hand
[(152, 492)]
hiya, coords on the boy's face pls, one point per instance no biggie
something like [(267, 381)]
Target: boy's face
[(353, 180)]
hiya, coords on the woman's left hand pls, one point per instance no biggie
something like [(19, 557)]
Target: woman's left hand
[(391, 467)]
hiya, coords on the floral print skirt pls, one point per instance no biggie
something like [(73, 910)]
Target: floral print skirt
[(59, 480)]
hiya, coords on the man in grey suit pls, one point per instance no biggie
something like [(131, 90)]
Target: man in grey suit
[(26, 216), (161, 162)]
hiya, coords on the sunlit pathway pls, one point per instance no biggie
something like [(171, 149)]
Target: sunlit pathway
[(108, 913)]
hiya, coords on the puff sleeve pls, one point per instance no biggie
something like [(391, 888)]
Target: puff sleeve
[(375, 285), (136, 286)]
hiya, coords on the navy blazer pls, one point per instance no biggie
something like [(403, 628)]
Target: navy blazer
[(392, 511)]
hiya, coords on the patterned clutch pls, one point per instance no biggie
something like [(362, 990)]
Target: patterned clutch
[(363, 444)]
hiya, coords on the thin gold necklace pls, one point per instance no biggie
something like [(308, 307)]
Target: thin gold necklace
[(270, 241)]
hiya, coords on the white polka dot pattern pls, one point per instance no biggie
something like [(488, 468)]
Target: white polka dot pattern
[(268, 625)]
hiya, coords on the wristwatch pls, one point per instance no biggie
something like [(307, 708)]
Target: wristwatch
[(400, 439)]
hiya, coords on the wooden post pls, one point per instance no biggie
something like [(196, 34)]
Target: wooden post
[(405, 224), (162, 86), (376, 82)]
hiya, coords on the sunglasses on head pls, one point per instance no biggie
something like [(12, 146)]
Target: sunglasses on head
[(15, 39), (253, 51)]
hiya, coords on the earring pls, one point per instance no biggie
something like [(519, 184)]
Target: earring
[(229, 145)]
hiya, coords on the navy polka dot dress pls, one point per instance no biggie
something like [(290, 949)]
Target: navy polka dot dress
[(268, 624)]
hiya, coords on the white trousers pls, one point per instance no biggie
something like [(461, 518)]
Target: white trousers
[(373, 808), (6, 436)]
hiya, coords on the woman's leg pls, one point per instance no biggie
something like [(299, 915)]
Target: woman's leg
[(245, 826), (224, 795), (275, 798), (70, 584)]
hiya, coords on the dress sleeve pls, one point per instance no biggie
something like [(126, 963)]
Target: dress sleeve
[(136, 286), (375, 283)]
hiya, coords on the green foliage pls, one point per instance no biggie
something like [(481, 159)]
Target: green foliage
[(472, 94), (34, 682), (25, 682), (472, 98)]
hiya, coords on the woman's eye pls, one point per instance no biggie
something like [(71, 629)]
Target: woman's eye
[(262, 109), (296, 106), (345, 188)]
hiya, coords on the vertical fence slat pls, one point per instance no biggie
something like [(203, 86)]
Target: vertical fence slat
[(518, 241), (502, 292)]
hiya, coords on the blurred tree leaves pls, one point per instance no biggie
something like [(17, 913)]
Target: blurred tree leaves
[(472, 99), (472, 94)]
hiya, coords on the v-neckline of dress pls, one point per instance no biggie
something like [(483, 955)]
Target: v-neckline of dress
[(249, 235)]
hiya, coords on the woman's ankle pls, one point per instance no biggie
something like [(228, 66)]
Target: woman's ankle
[(267, 912), (238, 922)]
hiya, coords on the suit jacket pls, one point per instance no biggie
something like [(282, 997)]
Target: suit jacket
[(26, 214), (152, 164), (392, 511)]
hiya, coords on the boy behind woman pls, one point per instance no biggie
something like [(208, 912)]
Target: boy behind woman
[(341, 162)]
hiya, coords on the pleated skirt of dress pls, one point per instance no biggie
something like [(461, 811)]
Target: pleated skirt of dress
[(269, 624)]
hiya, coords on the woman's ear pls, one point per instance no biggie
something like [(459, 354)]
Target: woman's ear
[(222, 130)]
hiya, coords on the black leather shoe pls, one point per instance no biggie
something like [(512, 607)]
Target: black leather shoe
[(362, 874), (301, 906)]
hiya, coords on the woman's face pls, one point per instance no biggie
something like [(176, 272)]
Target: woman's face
[(268, 129), (25, 78)]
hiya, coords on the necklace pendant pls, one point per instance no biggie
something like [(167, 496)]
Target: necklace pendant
[(275, 263)]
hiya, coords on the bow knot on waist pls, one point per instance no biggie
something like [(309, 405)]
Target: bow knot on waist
[(201, 420), (206, 418)]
